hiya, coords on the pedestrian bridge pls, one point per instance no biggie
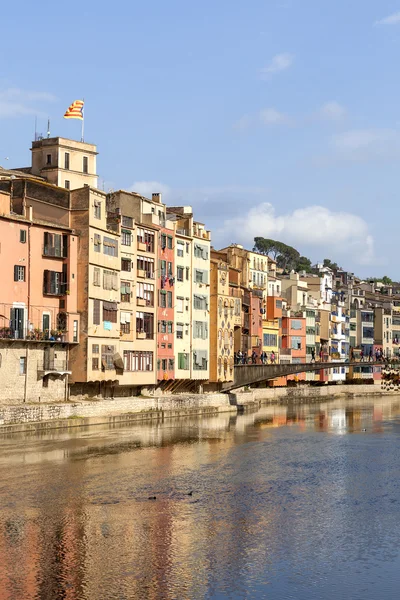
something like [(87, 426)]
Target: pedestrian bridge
[(251, 374)]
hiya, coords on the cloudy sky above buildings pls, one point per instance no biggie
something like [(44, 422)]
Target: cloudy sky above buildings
[(277, 118)]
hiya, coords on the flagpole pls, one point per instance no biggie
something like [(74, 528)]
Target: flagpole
[(83, 121)]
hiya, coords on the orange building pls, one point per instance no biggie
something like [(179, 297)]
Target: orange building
[(38, 303)]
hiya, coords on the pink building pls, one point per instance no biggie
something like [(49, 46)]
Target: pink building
[(38, 296)]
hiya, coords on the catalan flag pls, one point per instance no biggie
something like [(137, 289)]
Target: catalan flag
[(75, 111)]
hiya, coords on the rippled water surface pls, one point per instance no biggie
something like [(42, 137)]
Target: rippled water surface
[(298, 502)]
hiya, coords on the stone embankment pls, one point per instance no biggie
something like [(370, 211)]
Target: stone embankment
[(43, 416)]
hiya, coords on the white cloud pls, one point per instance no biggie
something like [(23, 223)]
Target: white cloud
[(15, 102), (243, 123), (367, 144), (280, 62), (313, 228), (147, 188), (393, 19), (332, 111), (270, 116)]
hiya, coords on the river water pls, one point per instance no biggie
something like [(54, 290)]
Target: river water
[(298, 502)]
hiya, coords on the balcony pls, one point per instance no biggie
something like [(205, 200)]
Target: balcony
[(33, 335), (246, 321), (53, 366), (337, 336), (144, 335), (125, 297), (337, 319), (142, 246), (141, 273)]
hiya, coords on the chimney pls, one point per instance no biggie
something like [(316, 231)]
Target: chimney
[(156, 197)]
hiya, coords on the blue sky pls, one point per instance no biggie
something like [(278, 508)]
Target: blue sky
[(278, 118)]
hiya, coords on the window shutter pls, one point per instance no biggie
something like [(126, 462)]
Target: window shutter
[(65, 245), (96, 312), (46, 279), (15, 272)]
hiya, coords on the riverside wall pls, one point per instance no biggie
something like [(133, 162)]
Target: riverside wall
[(42, 416)]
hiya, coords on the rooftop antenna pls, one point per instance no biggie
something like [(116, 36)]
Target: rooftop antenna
[(48, 128)]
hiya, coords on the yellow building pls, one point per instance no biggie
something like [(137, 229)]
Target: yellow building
[(270, 341), (225, 318)]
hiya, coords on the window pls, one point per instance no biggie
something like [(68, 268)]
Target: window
[(368, 332), (170, 327), (169, 299), (96, 276), (125, 291), (179, 304), (145, 291), (179, 331), (200, 360), (162, 327), (294, 324), (296, 343), (75, 332), (270, 339), (183, 361), (138, 361), (278, 303), (67, 184), (146, 264), (163, 299), (19, 273), (126, 238), (179, 273), (200, 330), (200, 302), (163, 241), (145, 236), (55, 244), (107, 358), (110, 246), (85, 164), (110, 280), (53, 283), (95, 348), (187, 273), (163, 268), (170, 346), (145, 324), (164, 364), (22, 365), (201, 251), (127, 221), (169, 242), (180, 248), (48, 159), (125, 322), (110, 311), (170, 269), (97, 242), (97, 209), (66, 160), (95, 363), (126, 264), (187, 247), (96, 312), (200, 276), (22, 236)]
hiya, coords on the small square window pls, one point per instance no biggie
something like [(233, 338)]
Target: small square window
[(48, 159), (95, 364), (95, 348), (22, 236), (67, 184)]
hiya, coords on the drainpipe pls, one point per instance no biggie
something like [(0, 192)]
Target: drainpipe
[(28, 298)]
